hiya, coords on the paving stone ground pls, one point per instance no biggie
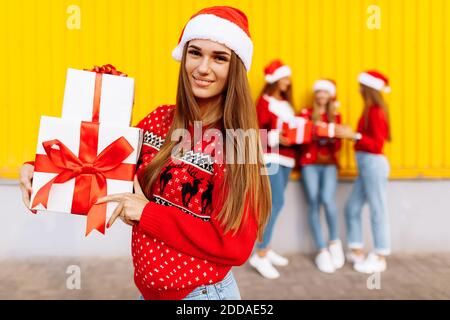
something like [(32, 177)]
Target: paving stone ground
[(409, 276)]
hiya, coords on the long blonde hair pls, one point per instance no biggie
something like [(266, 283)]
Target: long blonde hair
[(250, 190), (374, 97)]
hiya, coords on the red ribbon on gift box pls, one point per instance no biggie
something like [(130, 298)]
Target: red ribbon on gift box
[(100, 71), (90, 173), (89, 169)]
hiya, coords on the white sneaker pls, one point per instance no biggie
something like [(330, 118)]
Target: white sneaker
[(264, 266), (324, 262), (337, 254), (372, 264), (354, 258), (276, 259)]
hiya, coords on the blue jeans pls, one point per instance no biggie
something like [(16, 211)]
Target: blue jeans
[(278, 183), (370, 186), (226, 289), (320, 183)]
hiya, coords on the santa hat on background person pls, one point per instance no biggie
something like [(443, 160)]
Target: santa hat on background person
[(375, 80), (328, 85), (222, 24), (276, 70)]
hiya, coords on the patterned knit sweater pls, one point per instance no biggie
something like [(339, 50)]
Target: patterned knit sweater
[(179, 244)]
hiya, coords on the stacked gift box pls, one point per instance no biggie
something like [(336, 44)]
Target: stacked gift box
[(91, 151)]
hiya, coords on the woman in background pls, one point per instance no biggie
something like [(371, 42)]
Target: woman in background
[(373, 171), (319, 164), (274, 104)]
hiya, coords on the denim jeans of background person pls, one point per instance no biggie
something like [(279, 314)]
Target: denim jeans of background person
[(370, 186), (320, 182), (278, 184)]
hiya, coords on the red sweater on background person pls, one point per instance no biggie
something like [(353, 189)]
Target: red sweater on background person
[(179, 244), (320, 150), (375, 133), (269, 110)]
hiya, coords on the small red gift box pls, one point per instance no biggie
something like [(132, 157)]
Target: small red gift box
[(297, 130), (325, 130)]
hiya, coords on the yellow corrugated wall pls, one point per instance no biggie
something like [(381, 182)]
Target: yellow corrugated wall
[(321, 38)]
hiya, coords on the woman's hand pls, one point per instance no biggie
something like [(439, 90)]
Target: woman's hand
[(25, 178), (130, 205), (344, 132)]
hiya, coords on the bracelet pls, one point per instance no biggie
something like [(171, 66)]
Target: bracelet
[(358, 136)]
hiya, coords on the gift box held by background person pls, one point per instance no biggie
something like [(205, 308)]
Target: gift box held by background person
[(325, 130), (297, 130), (78, 161)]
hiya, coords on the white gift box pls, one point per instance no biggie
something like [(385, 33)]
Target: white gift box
[(68, 132), (116, 98)]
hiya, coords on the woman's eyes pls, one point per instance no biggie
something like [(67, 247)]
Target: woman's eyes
[(194, 52), (222, 58), (198, 54)]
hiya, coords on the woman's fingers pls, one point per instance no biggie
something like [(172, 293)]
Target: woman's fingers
[(25, 196), (127, 221), (113, 197), (26, 183), (26, 175), (117, 212)]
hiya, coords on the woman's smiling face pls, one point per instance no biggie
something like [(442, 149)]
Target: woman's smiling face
[(207, 65)]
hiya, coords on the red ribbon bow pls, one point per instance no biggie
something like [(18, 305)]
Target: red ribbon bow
[(108, 164), (107, 69)]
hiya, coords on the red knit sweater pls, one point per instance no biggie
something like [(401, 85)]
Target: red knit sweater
[(320, 150), (179, 244), (375, 133)]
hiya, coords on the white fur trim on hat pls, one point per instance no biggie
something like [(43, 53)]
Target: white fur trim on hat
[(212, 27), (325, 85), (373, 82), (280, 73)]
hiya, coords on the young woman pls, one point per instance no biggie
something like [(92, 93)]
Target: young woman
[(371, 183), (274, 103), (319, 164), (189, 226)]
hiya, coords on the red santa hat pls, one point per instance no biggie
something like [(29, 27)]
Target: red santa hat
[(276, 70), (222, 24), (375, 80)]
